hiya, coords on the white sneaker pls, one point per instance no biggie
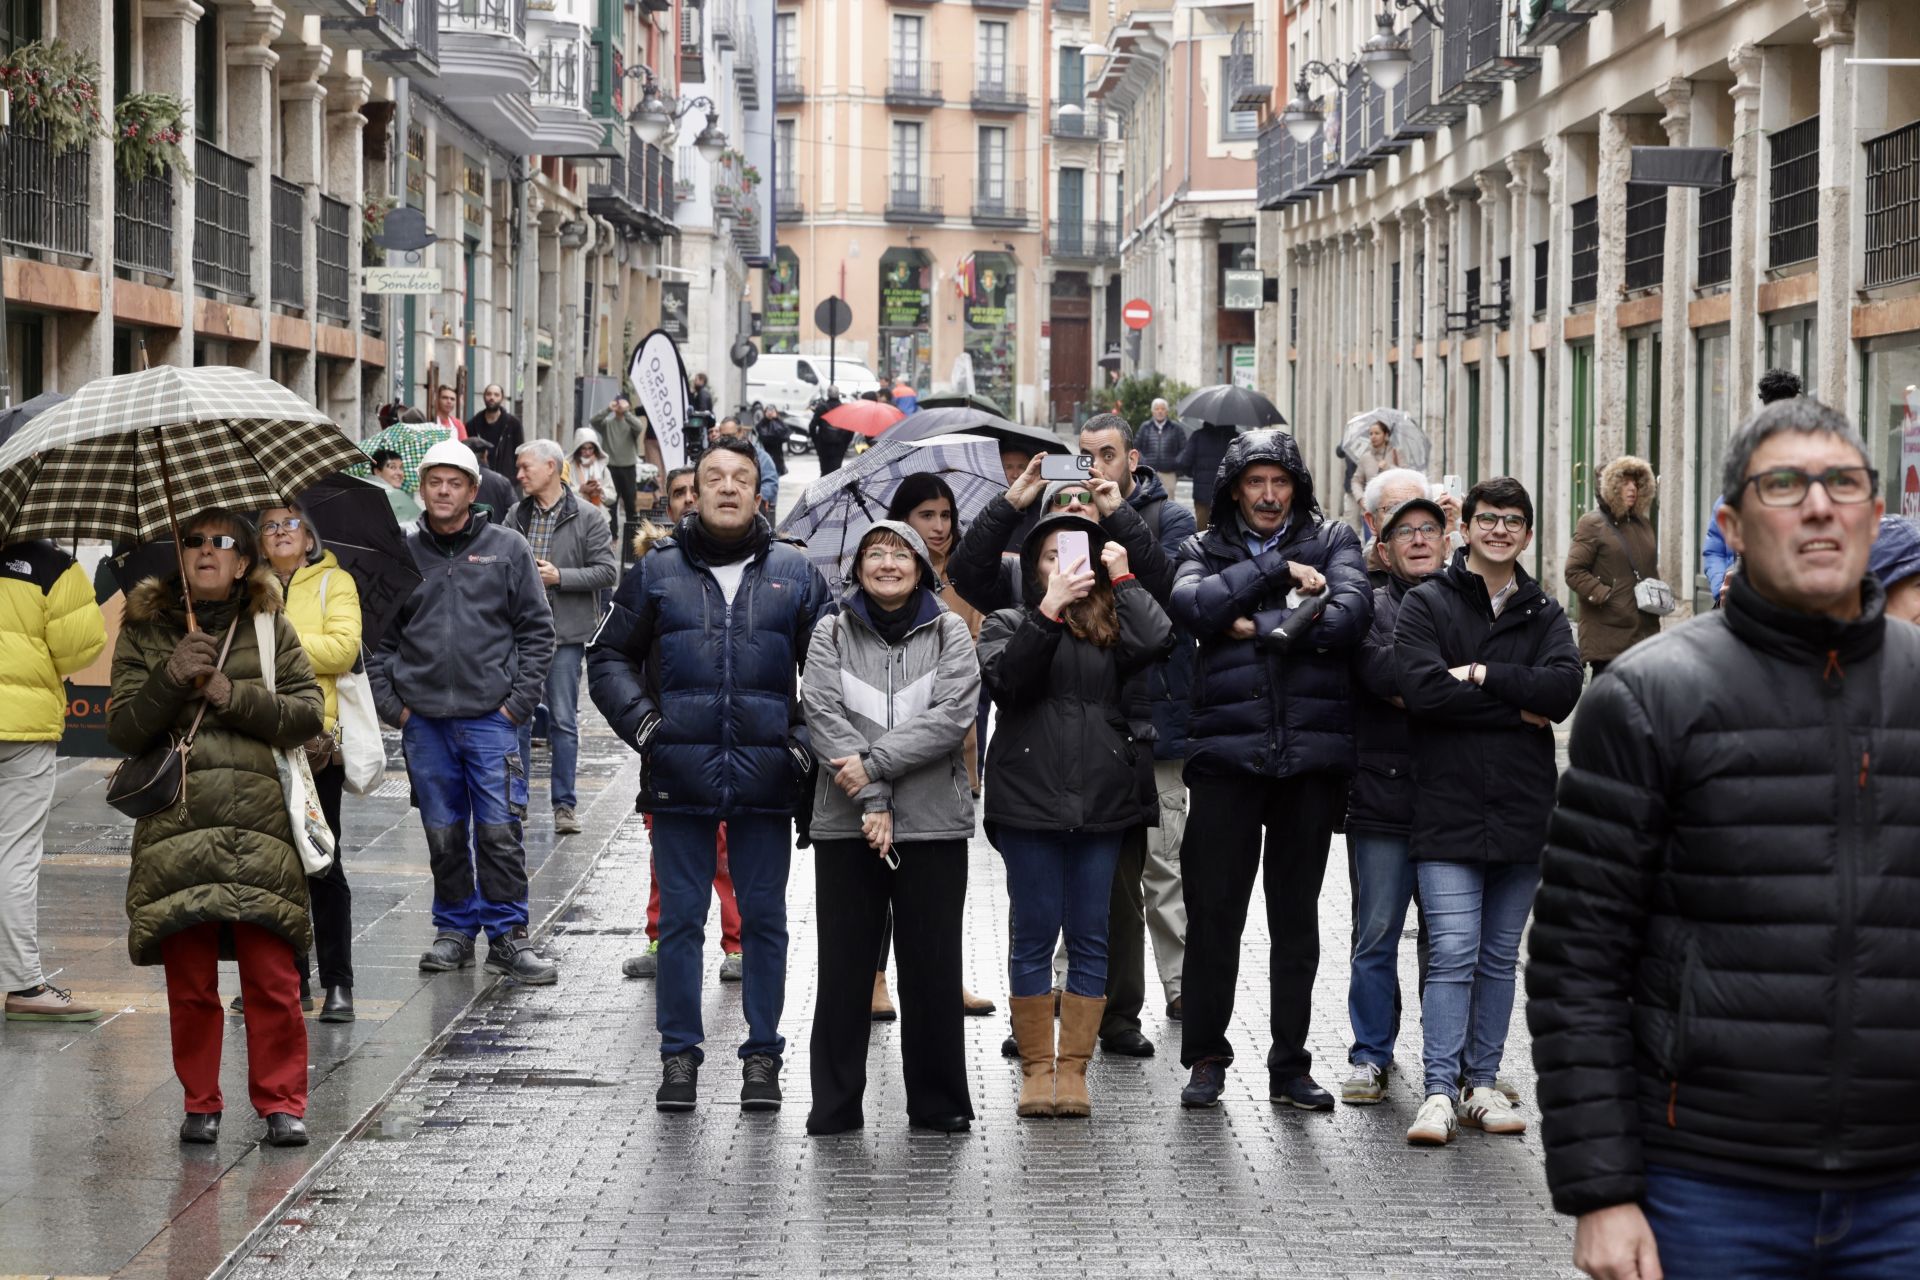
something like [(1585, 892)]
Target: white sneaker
[(1365, 1086), (1490, 1111), (1435, 1125)]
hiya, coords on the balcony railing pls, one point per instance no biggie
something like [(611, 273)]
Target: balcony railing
[(1646, 235), (1542, 275), (789, 81), (1586, 250), (915, 199), (1360, 119), (561, 81), (222, 223), (373, 314), (1272, 164), (487, 17), (409, 30), (914, 84), (1071, 6), (1793, 218), (420, 23), (289, 213), (1716, 236), (143, 224), (1893, 206), (1422, 84), (999, 87), (47, 196), (1001, 203), (1481, 48), (332, 243), (786, 202), (1081, 241), (1086, 120)]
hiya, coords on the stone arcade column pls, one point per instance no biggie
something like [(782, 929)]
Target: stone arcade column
[(1839, 147), (1493, 445), (345, 179), (169, 66), (1677, 536), (250, 28), (1523, 168), (1609, 347), (1556, 468), (303, 161), (1413, 225), (1433, 409), (1749, 262)]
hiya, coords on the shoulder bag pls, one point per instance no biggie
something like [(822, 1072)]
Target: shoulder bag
[(156, 779), (312, 837), (1650, 594), (361, 749)]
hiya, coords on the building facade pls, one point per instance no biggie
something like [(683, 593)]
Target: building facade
[(1471, 247)]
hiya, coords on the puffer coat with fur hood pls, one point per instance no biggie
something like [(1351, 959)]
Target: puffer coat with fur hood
[(1601, 571)]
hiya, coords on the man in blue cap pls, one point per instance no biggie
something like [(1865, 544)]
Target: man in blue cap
[(1896, 562)]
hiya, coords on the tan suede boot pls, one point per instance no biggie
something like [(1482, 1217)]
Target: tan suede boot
[(883, 1010), (1033, 1029), (1079, 1028)]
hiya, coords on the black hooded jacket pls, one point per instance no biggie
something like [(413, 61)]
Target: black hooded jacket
[(1063, 756), (1380, 797), (1256, 712)]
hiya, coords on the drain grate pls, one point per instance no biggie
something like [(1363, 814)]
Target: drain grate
[(607, 931)]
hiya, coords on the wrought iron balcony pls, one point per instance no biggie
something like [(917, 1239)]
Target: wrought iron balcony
[(394, 32), (1893, 206), (222, 223), (789, 81), (486, 17), (1481, 49), (1793, 218), (1421, 87), (1074, 241), (1078, 119), (47, 195), (914, 84), (1000, 203), (1555, 24), (1586, 250), (786, 202), (563, 76), (143, 224), (999, 87), (915, 199), (289, 214), (1646, 235), (332, 247)]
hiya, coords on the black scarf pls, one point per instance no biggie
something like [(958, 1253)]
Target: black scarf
[(892, 625), (709, 550)]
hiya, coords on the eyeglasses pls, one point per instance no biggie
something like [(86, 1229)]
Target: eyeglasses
[(1408, 532), (1789, 486), (1072, 496), (887, 555), (220, 541), (292, 524), (1488, 521)]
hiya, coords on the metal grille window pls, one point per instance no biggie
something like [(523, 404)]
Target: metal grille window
[(222, 241), (46, 195), (333, 237), (1471, 312), (1542, 266), (1293, 316), (143, 224), (373, 314), (288, 211), (1716, 236), (1893, 206), (1505, 319), (1793, 217), (1586, 250), (1646, 234), (1393, 314)]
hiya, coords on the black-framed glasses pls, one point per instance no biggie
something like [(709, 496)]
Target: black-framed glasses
[(219, 541), (1789, 486), (1488, 521), (1070, 496), (292, 524), (1408, 532)]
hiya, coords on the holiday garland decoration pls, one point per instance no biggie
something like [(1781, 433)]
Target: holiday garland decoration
[(55, 87), (148, 130)]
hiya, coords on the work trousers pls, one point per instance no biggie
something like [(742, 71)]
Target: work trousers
[(472, 790)]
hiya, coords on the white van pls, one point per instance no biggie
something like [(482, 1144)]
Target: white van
[(794, 381)]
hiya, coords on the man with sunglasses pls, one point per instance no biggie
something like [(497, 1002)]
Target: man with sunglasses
[(1485, 662), (1727, 938)]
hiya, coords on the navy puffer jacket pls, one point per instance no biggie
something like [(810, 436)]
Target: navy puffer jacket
[(1254, 712), (720, 676)]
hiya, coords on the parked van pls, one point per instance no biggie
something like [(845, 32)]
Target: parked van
[(794, 381)]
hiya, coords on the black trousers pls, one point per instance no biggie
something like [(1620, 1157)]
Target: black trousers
[(928, 895), (1219, 855), (330, 895), (1127, 938), (621, 519)]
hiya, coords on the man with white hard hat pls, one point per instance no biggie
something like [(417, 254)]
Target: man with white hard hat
[(462, 666)]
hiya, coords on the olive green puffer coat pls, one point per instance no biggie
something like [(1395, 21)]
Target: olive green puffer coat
[(227, 855)]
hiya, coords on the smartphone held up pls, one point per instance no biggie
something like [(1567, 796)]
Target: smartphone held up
[(1066, 466)]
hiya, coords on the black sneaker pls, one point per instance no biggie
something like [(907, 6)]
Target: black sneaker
[(1301, 1091), (449, 951), (1204, 1086), (679, 1084), (514, 956), (760, 1083)]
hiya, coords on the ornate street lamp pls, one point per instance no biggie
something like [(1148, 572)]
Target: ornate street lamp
[(654, 117), (1386, 58)]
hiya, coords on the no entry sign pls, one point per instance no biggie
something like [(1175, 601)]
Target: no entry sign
[(1136, 314)]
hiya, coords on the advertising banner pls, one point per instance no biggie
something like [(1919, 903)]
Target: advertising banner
[(660, 379)]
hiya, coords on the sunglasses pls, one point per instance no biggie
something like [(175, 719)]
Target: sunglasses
[(219, 541), (1072, 496), (292, 524)]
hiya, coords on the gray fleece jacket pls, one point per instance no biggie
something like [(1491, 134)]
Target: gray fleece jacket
[(906, 708)]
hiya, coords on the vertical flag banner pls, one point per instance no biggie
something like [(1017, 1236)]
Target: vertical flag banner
[(660, 380)]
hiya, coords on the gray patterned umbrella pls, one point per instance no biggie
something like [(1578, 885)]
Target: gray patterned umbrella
[(130, 454)]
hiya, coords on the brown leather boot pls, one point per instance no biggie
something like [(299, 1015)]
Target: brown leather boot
[(1033, 1029), (1079, 1028), (883, 1010)]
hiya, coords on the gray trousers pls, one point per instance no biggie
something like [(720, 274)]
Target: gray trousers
[(27, 772)]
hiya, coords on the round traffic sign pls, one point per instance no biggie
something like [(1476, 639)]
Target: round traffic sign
[(1136, 314), (833, 317)]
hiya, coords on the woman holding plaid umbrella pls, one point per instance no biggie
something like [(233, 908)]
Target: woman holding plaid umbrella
[(217, 875)]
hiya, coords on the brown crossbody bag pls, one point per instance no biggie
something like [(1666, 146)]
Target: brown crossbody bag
[(156, 779)]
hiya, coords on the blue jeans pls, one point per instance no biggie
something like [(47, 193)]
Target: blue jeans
[(471, 787), (563, 731), (1475, 915), (1383, 883), (1712, 1228), (759, 852), (1059, 881)]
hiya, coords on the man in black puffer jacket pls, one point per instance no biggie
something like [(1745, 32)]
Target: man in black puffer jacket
[(1726, 944), (1269, 746)]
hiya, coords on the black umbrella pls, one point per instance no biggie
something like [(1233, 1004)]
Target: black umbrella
[(11, 420), (1230, 406), (974, 422), (354, 521), (956, 400)]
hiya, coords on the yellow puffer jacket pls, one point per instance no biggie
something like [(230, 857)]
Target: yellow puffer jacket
[(50, 627), (329, 634)]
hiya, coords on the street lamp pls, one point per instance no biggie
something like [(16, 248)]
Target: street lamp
[(654, 118), (1386, 58), (1303, 117)]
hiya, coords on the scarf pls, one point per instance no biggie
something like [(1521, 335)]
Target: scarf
[(709, 550), (892, 625)]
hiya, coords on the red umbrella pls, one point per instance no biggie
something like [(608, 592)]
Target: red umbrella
[(864, 417)]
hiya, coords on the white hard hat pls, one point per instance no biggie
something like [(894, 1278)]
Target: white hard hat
[(451, 453)]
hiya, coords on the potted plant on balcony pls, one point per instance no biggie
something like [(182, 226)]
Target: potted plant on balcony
[(55, 88), (373, 217), (148, 130)]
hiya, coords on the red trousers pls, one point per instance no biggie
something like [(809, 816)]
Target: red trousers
[(722, 885), (276, 1030)]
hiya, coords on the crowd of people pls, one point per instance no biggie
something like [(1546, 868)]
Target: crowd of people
[(1145, 707)]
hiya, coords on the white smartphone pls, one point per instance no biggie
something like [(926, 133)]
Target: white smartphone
[(1455, 486), (1074, 555)]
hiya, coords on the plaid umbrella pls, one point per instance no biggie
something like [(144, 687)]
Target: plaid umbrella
[(93, 467), (410, 440), (837, 508)]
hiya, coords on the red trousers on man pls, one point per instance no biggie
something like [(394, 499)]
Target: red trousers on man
[(276, 1030), (722, 885)]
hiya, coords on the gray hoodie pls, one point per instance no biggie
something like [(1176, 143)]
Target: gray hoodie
[(905, 708)]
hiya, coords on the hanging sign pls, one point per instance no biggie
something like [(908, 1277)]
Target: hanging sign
[(660, 379)]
